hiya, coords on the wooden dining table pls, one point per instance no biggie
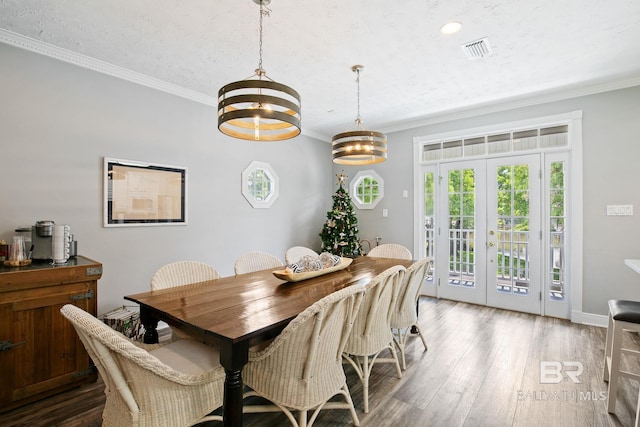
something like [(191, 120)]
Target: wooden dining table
[(236, 312)]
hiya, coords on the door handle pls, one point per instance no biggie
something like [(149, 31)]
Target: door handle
[(492, 244)]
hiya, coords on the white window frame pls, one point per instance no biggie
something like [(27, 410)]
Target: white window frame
[(353, 188), (572, 308), (275, 185)]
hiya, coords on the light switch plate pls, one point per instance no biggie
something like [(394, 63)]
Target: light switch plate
[(385, 213), (619, 210)]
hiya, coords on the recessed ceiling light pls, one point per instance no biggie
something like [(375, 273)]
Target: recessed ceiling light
[(451, 27)]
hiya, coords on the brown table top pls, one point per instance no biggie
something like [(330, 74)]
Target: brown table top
[(238, 308)]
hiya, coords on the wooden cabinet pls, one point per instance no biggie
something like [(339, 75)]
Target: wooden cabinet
[(40, 352)]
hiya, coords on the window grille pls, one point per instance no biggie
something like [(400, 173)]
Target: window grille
[(507, 142)]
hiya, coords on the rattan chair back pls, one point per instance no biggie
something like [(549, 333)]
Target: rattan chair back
[(182, 273), (390, 250), (302, 368), (255, 261), (371, 333), (405, 314)]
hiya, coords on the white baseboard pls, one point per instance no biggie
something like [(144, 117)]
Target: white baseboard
[(590, 319)]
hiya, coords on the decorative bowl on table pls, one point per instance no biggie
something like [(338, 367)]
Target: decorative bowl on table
[(290, 275)]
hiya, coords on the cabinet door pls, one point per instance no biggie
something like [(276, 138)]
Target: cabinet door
[(42, 350)]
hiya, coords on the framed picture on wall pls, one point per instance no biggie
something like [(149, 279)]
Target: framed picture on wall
[(138, 193)]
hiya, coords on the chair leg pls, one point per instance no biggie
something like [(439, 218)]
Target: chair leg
[(424, 342), (607, 349), (614, 368), (638, 412), (363, 367), (302, 419), (395, 359), (400, 339), (352, 409), (365, 383)]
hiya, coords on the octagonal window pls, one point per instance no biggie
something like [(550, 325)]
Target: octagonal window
[(260, 184), (367, 189)]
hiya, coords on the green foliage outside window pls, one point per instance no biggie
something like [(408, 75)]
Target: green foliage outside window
[(367, 190), (260, 184), (429, 195), (462, 192), (557, 196), (513, 197)]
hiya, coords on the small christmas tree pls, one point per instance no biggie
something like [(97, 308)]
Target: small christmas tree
[(340, 232)]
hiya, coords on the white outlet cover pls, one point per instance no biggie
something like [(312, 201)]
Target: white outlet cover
[(619, 210)]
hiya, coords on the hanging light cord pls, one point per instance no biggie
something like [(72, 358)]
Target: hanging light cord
[(264, 11), (358, 118), (358, 123)]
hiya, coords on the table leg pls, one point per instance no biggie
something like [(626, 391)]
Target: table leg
[(233, 357), (150, 327)]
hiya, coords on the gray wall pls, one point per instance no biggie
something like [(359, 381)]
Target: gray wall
[(58, 121), (611, 162)]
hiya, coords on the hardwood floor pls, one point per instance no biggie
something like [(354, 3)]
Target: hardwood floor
[(482, 369)]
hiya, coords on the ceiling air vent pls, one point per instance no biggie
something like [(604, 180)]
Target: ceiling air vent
[(477, 49)]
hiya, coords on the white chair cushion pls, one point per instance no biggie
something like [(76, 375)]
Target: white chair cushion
[(188, 356)]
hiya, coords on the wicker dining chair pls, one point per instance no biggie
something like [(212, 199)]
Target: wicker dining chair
[(294, 253), (182, 273), (371, 333), (404, 317), (301, 369), (390, 250), (175, 384), (254, 261)]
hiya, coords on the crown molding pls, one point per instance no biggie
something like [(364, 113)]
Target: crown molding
[(33, 45), (554, 95), (36, 46)]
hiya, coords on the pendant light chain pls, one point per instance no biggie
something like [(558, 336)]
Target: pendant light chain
[(263, 12), (358, 118)]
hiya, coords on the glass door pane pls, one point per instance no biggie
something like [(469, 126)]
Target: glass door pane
[(461, 197), (462, 232), (429, 237), (513, 249)]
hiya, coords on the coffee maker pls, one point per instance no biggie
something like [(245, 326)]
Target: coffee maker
[(41, 240)]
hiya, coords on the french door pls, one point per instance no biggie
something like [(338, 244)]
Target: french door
[(488, 239)]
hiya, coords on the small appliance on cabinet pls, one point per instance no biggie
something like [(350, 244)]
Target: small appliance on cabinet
[(41, 240)]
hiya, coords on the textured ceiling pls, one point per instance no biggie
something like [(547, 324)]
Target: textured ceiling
[(412, 71)]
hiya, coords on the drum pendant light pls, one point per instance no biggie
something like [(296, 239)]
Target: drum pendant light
[(360, 146), (258, 108)]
